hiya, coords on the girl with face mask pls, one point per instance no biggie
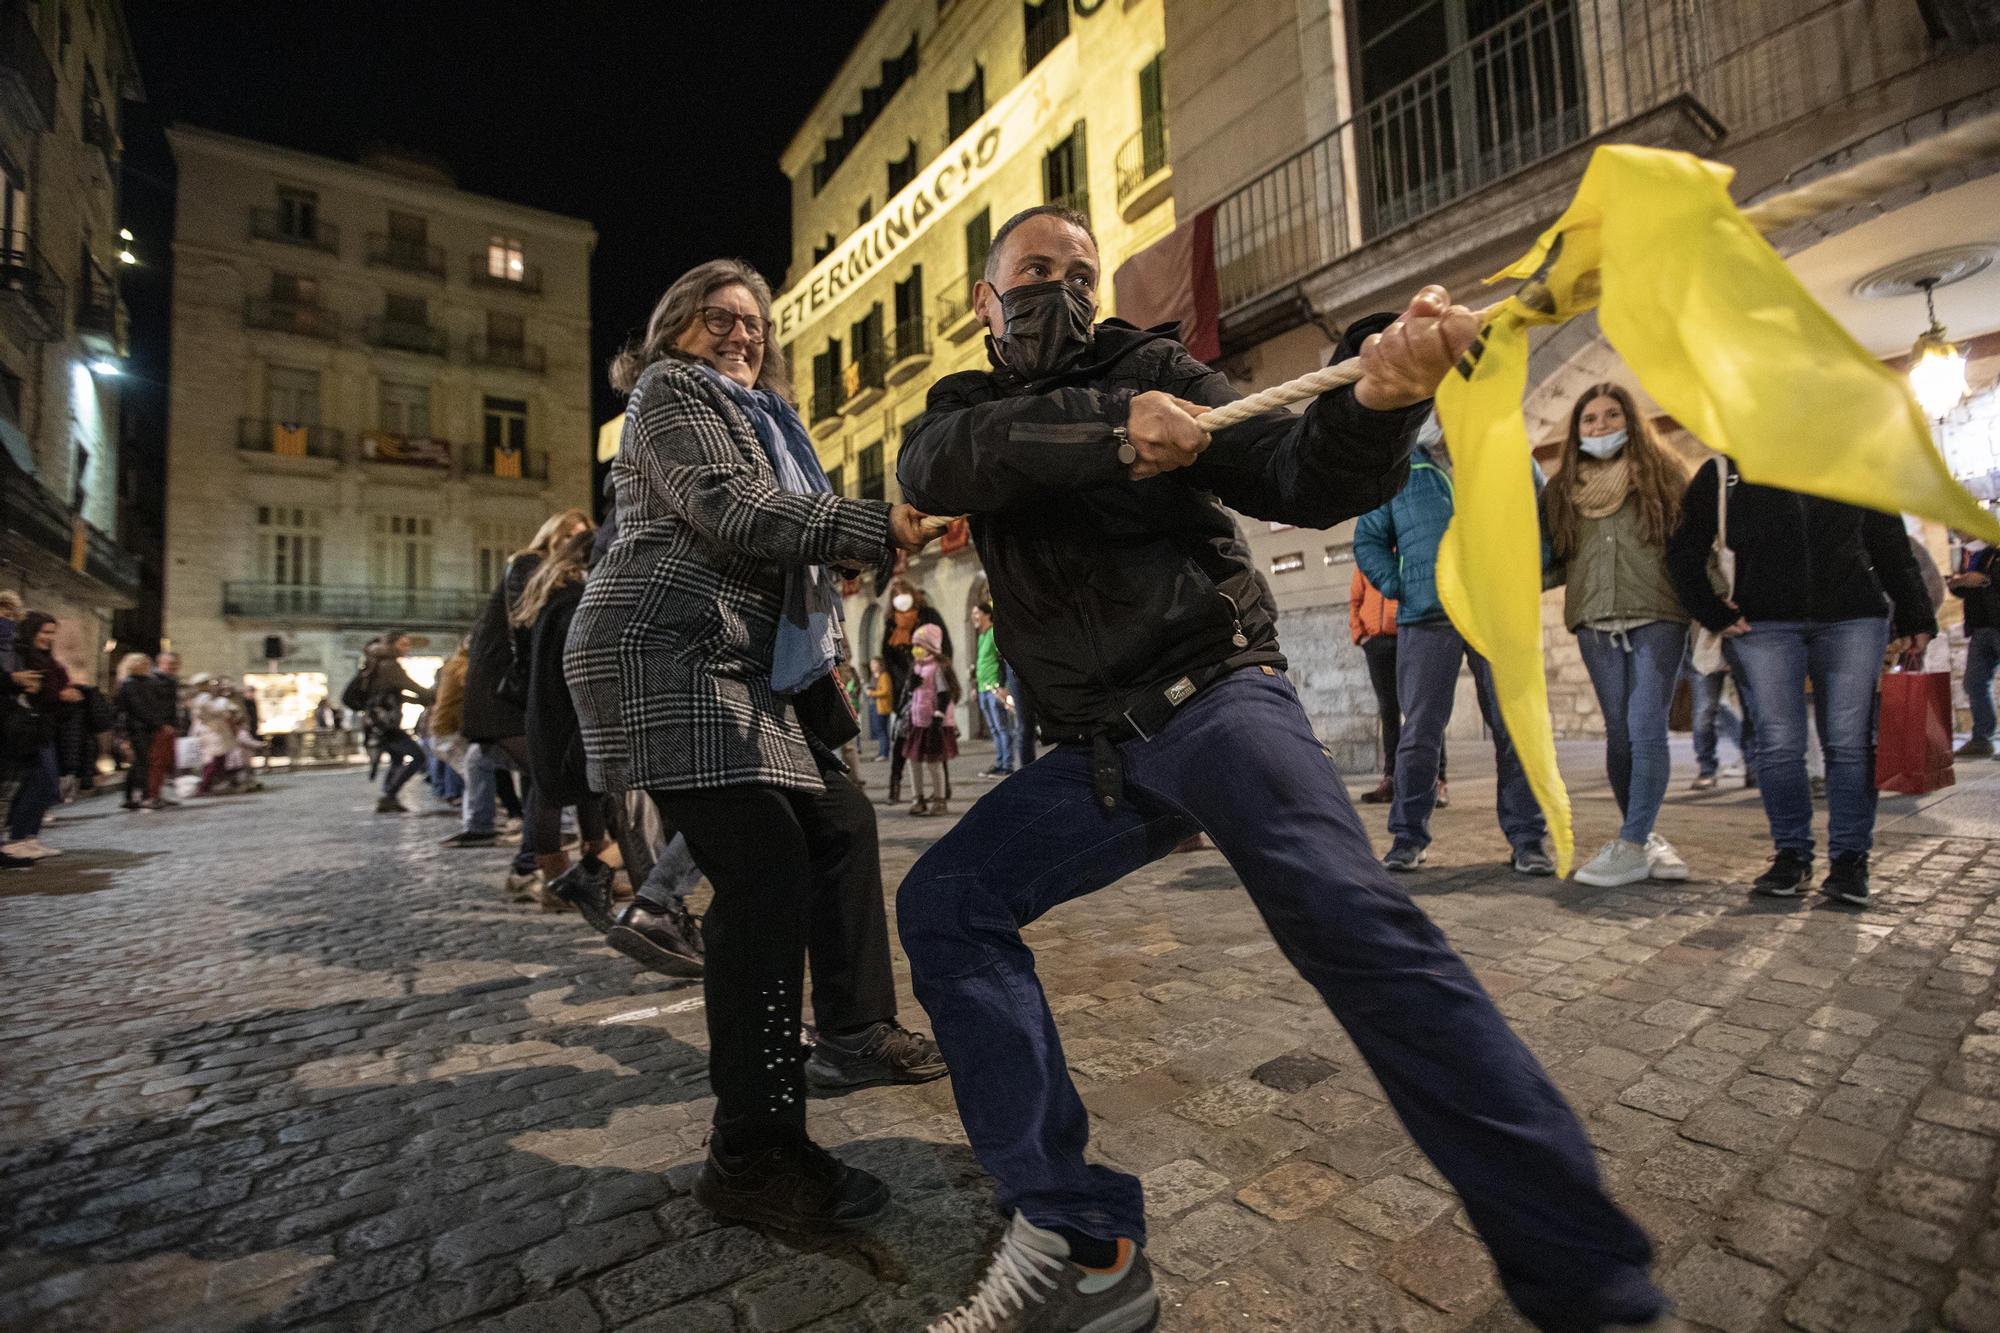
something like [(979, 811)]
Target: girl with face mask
[(1606, 516), (908, 612)]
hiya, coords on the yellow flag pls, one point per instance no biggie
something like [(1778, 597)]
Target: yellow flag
[(1724, 338)]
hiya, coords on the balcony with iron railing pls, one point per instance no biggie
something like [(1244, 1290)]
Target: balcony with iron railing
[(406, 254), (31, 295), (101, 319), (829, 401), (98, 131), (956, 319), (27, 79), (866, 377), (480, 272), (269, 224), (58, 541), (371, 607), (504, 355), (287, 439), (1144, 179), (306, 320), (912, 344), (1549, 79), (1047, 25), (403, 335), (514, 465)]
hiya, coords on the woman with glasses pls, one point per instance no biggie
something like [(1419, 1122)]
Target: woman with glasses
[(701, 660)]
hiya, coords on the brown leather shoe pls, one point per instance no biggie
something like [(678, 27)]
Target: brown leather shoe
[(1384, 792)]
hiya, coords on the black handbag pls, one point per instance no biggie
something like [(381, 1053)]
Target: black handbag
[(822, 711)]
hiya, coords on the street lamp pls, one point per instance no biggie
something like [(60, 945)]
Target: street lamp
[(106, 368)]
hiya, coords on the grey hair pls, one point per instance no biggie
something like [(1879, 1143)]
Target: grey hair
[(1060, 212), (676, 311)]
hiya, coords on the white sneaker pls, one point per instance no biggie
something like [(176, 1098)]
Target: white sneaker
[(1618, 864), (26, 849), (1033, 1287), (1666, 863), (43, 849)]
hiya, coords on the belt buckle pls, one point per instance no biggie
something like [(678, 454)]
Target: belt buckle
[(1133, 723)]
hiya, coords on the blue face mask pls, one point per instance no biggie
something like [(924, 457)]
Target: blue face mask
[(1602, 446)]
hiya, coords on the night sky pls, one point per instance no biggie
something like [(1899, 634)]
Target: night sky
[(658, 122)]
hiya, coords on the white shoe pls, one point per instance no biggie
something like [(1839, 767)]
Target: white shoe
[(1665, 862), (43, 849), (1618, 864), (22, 850)]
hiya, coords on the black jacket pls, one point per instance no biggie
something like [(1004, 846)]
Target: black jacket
[(1798, 557), (555, 740), (1982, 605), (145, 704), (1107, 588), (488, 717)]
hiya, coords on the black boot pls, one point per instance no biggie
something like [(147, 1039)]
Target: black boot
[(586, 886), (668, 942), (795, 1187)]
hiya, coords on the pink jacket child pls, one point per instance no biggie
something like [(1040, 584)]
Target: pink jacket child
[(924, 698)]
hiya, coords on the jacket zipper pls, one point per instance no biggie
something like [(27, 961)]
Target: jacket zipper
[(1449, 490)]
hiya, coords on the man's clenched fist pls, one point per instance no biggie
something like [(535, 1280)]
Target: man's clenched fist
[(1163, 434), (1406, 362)]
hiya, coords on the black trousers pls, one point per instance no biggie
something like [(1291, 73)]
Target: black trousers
[(1381, 654), (794, 873)]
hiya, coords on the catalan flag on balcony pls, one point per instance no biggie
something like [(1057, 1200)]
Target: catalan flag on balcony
[(288, 439), (1725, 339), (506, 462)]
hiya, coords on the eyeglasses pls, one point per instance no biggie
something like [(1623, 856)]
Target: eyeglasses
[(720, 322)]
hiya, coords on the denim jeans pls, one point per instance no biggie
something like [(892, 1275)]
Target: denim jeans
[(999, 721), (878, 731), (1633, 673), (39, 790), (1843, 659), (1427, 660), (478, 805), (1240, 763), (405, 758), (1982, 655), (1712, 718)]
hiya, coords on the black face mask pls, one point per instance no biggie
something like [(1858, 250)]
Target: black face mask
[(1048, 329)]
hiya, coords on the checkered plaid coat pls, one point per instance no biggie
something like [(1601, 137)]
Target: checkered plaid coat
[(669, 657)]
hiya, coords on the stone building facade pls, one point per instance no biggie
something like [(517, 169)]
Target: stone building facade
[(66, 71), (380, 390), (1352, 151), (944, 121)]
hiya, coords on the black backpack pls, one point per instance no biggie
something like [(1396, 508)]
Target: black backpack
[(354, 694)]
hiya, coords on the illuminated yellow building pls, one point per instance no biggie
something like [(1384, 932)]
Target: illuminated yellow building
[(944, 121)]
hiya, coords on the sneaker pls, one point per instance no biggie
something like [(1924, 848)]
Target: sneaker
[(1443, 800), (389, 805), (32, 848), (794, 1187), (1847, 879), (1976, 748), (1618, 864), (881, 1053), (668, 942), (1382, 793), (1702, 782), (1405, 856), (1786, 875), (1532, 860), (1032, 1286), (521, 887), (994, 774), (470, 838), (586, 886), (1666, 863)]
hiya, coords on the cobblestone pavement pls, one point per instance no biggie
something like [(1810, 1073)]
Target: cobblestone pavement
[(275, 1062)]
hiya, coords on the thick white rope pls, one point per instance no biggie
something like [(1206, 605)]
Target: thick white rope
[(1859, 184)]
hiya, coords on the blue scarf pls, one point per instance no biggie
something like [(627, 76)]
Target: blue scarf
[(809, 637)]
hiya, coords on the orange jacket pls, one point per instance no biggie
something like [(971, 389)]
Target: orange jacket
[(1369, 613)]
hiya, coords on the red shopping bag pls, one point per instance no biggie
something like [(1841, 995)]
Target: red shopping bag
[(1913, 741)]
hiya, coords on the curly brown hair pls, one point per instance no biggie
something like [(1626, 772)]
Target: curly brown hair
[(1658, 476)]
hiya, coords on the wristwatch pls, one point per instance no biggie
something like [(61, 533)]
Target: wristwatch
[(1126, 453)]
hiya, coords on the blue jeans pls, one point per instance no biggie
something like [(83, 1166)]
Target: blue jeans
[(405, 757), (1427, 659), (1633, 674), (878, 730), (1982, 655), (1240, 763), (39, 790), (477, 808), (1843, 659), (1713, 717), (999, 721)]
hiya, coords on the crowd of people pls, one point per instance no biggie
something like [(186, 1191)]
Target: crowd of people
[(675, 686)]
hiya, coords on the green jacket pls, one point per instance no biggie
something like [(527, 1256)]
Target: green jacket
[(986, 669), (1615, 574)]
